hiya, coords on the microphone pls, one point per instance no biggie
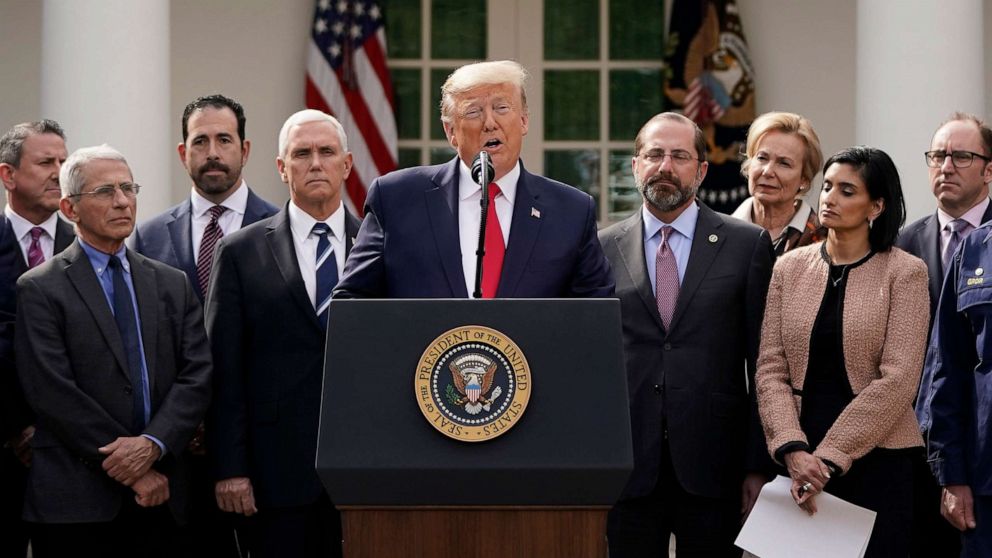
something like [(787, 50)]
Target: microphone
[(482, 169)]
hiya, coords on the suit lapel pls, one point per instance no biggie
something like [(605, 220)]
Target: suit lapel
[(706, 244), (630, 245), (254, 210), (145, 291), (80, 272), (181, 233), (930, 249), (351, 226), (280, 239), (64, 235), (524, 229), (442, 208)]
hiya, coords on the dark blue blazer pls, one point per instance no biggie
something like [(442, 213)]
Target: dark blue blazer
[(168, 237), (553, 250)]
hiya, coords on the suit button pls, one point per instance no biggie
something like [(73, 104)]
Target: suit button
[(667, 346), (128, 390), (657, 388)]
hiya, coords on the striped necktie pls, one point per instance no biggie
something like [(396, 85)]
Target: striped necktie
[(327, 271), (205, 259)]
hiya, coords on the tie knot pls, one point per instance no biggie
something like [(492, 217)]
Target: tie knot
[(115, 263), (666, 233), (321, 229), (957, 226), (36, 233), (216, 211), (493, 191)]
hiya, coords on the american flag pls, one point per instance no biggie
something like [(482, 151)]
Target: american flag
[(347, 77)]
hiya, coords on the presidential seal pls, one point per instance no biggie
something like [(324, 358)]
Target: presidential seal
[(472, 383)]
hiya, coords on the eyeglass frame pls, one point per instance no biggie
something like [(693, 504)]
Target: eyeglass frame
[(927, 156), (109, 191), (670, 154)]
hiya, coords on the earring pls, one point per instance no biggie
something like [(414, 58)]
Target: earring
[(870, 223)]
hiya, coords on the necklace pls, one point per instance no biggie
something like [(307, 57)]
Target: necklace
[(843, 268)]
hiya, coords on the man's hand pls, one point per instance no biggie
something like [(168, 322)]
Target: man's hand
[(749, 492), (151, 489), (128, 459), (20, 444), (236, 495), (957, 506)]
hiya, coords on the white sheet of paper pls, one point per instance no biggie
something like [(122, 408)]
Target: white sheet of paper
[(778, 528)]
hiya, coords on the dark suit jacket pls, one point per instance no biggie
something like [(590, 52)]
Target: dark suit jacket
[(15, 414), (693, 380), (921, 238), (269, 364), (552, 250), (74, 371), (168, 237)]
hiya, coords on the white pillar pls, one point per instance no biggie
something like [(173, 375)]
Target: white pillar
[(917, 62), (106, 79)]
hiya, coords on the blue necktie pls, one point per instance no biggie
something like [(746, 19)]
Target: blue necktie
[(327, 271), (128, 327)]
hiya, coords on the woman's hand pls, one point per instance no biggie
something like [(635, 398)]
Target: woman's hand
[(809, 475)]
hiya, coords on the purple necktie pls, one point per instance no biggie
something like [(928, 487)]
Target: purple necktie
[(211, 235), (666, 279), (958, 228), (36, 256)]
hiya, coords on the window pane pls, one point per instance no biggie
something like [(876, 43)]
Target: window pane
[(406, 89), (458, 29), (441, 155), (635, 96), (571, 105), (636, 29), (408, 158), (402, 18), (437, 80), (624, 198), (578, 167), (571, 29)]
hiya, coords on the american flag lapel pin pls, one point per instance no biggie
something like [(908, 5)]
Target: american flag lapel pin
[(535, 213)]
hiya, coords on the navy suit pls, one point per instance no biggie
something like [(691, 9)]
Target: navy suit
[(15, 415), (168, 237), (552, 251)]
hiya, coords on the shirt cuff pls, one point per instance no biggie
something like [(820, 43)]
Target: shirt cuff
[(158, 443), (790, 447)]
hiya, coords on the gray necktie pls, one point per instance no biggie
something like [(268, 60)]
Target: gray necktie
[(959, 228)]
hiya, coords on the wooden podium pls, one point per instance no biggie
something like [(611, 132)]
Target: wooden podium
[(542, 488)]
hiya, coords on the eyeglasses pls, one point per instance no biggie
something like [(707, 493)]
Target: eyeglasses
[(109, 191), (679, 157), (960, 159)]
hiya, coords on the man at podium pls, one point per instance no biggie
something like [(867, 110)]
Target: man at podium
[(540, 237)]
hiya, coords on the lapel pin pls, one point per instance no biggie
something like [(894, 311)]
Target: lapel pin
[(713, 238), (535, 213), (979, 271)]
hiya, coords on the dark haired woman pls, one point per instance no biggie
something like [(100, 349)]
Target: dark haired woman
[(842, 348)]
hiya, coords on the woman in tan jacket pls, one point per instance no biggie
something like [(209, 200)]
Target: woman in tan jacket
[(842, 347)]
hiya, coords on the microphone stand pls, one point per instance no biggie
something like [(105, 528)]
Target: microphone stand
[(480, 253)]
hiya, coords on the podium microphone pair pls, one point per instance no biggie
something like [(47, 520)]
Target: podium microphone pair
[(482, 174)]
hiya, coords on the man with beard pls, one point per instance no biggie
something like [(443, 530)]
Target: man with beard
[(214, 150), (692, 286)]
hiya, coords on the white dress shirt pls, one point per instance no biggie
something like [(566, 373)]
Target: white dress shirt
[(680, 241), (229, 221), (22, 232), (469, 216), (301, 223)]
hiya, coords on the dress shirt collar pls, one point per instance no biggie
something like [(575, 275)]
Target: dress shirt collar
[(973, 216), (236, 202), (301, 222), (99, 260), (744, 213), (685, 223), (22, 226), (467, 187)]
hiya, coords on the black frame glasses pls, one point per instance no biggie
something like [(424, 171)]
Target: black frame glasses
[(960, 159)]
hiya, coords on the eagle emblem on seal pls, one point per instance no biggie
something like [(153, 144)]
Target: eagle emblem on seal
[(472, 376)]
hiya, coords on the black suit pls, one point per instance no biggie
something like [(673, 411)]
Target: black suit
[(72, 364), (932, 534), (15, 415), (694, 423), (269, 357)]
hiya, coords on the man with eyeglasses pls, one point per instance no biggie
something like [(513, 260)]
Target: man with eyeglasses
[(692, 286), (113, 358), (959, 169), (955, 402), (31, 232)]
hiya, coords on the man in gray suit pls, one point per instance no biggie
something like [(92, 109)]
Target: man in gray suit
[(692, 286), (113, 357)]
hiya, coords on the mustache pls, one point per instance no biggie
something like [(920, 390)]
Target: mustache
[(665, 176), (214, 165)]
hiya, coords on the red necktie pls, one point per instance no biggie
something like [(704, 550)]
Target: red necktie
[(492, 262), (211, 235)]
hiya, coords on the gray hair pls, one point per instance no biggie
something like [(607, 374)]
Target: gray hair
[(12, 143), (71, 179), (470, 76), (309, 115)]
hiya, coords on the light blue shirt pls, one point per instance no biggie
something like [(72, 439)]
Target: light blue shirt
[(680, 240), (100, 262)]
